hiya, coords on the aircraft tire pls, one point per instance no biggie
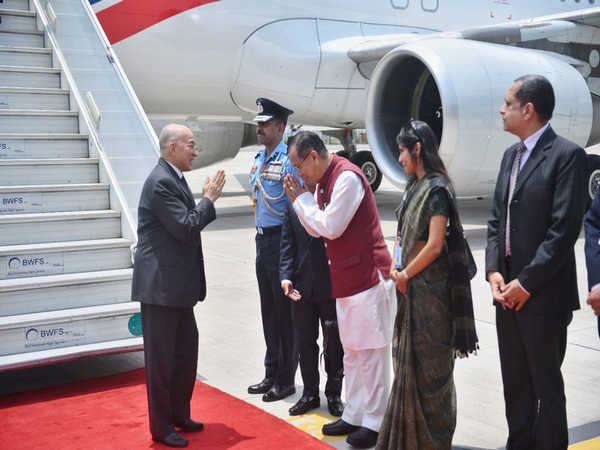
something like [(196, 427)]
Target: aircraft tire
[(364, 160), (594, 179)]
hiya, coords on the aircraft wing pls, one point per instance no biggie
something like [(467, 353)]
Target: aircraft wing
[(576, 27)]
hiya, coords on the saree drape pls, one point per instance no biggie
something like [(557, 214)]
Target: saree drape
[(421, 412)]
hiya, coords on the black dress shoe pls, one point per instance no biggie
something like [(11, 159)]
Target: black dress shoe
[(189, 425), (304, 405), (339, 428), (363, 438), (261, 387), (172, 440), (278, 392), (335, 405)]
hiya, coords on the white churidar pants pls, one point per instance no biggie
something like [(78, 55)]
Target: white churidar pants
[(366, 323)]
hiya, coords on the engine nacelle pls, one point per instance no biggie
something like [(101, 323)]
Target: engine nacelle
[(457, 87), (216, 141)]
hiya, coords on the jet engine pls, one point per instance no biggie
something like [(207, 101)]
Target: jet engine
[(458, 86)]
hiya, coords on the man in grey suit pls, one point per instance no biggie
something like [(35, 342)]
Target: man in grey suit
[(539, 203), (168, 280)]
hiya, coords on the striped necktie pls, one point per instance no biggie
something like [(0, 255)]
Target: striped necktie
[(514, 175)]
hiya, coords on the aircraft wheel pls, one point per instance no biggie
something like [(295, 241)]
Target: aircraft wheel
[(594, 179), (364, 160)]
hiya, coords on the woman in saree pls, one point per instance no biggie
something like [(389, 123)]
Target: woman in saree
[(435, 312)]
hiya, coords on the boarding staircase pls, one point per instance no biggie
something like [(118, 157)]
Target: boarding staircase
[(65, 246)]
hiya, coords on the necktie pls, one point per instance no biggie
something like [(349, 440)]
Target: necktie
[(514, 175), (188, 190)]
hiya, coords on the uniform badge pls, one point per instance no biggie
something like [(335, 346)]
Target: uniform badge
[(273, 171)]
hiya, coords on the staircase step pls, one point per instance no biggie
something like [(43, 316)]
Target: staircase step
[(72, 246), (53, 198), (36, 333), (18, 229), (40, 260), (24, 121), (58, 292), (56, 355), (19, 38), (34, 98), (23, 172), (43, 146), (29, 77), (16, 5), (64, 258), (17, 20), (26, 56)]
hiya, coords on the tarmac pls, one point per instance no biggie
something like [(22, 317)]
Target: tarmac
[(232, 344)]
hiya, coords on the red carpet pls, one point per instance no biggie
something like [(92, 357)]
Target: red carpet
[(111, 413)]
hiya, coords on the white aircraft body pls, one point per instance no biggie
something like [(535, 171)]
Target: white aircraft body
[(362, 64)]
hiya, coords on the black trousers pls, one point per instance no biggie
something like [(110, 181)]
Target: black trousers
[(307, 314), (532, 349), (171, 358), (281, 358)]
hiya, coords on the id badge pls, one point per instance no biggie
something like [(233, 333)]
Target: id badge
[(398, 257)]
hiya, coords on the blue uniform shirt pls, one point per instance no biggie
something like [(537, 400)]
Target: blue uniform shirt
[(270, 174)]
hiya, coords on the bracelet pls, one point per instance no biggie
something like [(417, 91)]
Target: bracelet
[(405, 273)]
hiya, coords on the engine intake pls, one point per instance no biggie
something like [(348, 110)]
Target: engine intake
[(457, 87)]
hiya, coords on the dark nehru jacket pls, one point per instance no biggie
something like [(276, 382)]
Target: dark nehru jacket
[(356, 255)]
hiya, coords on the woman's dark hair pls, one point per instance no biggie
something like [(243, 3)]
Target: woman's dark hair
[(417, 131)]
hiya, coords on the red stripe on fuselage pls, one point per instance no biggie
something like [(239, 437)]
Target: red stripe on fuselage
[(132, 16)]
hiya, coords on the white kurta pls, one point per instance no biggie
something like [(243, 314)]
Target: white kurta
[(366, 319)]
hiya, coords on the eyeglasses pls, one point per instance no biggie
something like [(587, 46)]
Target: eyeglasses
[(297, 167)]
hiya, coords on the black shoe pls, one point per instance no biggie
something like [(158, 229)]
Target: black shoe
[(278, 392), (339, 428), (189, 425), (363, 438), (172, 440), (261, 387), (336, 407), (304, 405)]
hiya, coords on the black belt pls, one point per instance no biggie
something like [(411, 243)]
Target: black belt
[(269, 230)]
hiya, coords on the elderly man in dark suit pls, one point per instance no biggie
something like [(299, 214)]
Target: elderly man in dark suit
[(168, 280), (592, 255), (305, 279), (538, 210)]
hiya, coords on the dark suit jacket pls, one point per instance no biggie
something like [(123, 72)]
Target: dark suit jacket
[(303, 260), (546, 215), (169, 265), (592, 245)]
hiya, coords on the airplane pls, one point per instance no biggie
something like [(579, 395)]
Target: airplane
[(353, 64)]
